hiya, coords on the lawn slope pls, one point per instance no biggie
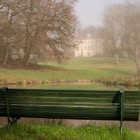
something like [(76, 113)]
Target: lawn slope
[(93, 68)]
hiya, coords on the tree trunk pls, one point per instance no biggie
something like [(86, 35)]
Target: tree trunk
[(26, 58), (138, 67), (6, 56), (117, 59), (28, 45)]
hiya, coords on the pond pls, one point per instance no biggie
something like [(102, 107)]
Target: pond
[(76, 85)]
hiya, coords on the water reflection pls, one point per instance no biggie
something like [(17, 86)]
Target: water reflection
[(88, 86)]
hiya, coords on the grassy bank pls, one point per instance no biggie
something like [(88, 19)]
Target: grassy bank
[(76, 70), (58, 132)]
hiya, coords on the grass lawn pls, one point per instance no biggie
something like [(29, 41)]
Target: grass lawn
[(59, 132), (92, 68)]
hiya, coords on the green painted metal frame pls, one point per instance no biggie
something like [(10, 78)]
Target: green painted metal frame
[(11, 119)]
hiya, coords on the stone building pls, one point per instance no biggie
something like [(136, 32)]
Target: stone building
[(88, 47)]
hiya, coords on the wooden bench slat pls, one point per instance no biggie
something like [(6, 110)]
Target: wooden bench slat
[(75, 93)]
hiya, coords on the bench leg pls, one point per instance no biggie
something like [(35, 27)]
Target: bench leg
[(121, 127), (12, 120)]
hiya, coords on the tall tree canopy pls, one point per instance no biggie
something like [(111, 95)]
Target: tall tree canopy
[(34, 30), (121, 31)]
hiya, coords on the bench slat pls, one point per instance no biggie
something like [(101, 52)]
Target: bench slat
[(69, 104)]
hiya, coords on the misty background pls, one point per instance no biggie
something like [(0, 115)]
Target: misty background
[(90, 12)]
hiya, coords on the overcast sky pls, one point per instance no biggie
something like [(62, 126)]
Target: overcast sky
[(90, 12)]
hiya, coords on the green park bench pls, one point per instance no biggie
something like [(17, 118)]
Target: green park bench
[(70, 104)]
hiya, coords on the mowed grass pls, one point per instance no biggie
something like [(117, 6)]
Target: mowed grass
[(92, 68), (98, 67), (59, 132)]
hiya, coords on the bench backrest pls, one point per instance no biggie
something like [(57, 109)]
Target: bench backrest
[(131, 105), (70, 104)]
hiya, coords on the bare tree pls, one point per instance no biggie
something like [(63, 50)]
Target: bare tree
[(133, 32), (42, 29), (113, 31), (121, 31)]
